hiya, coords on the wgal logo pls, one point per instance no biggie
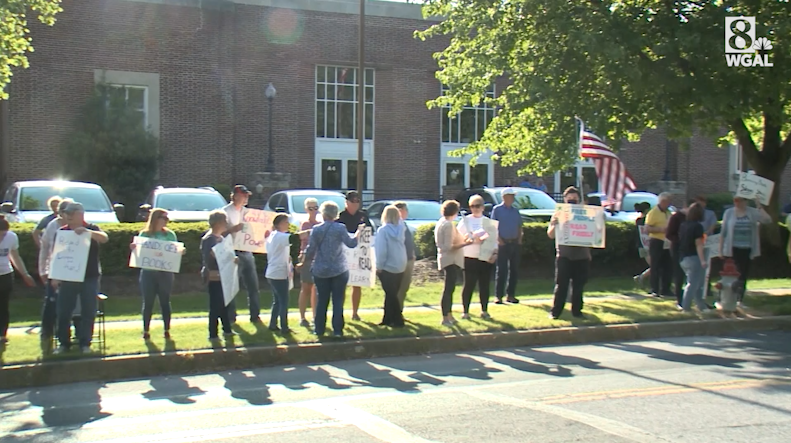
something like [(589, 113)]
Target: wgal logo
[(741, 46)]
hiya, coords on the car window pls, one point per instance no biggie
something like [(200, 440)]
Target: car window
[(278, 201), (10, 195), (534, 200), (629, 200), (423, 210), (34, 198), (298, 201), (375, 211), (189, 201)]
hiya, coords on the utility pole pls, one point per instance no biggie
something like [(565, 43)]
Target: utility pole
[(361, 101)]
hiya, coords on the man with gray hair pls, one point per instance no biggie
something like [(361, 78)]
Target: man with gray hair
[(87, 290), (49, 311), (659, 247)]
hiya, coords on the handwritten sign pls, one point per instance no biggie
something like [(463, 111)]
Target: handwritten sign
[(70, 256), (580, 225), (229, 269), (644, 237), (755, 187), (156, 255), (253, 237), (362, 262), (711, 249)]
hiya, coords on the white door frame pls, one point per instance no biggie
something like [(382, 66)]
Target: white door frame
[(579, 165), (445, 159), (344, 150)]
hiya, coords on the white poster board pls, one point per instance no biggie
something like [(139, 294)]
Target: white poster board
[(755, 187), (229, 269), (644, 237), (70, 256), (252, 238), (362, 261), (711, 249), (580, 225), (156, 255)]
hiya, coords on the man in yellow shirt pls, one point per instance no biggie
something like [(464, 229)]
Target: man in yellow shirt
[(661, 262)]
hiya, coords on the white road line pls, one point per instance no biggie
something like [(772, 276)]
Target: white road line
[(603, 424), (371, 424)]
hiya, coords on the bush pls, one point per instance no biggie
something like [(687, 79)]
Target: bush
[(114, 255), (719, 202), (620, 256)]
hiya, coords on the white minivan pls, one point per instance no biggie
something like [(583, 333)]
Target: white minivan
[(26, 201)]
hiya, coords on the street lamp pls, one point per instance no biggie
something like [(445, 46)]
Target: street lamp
[(270, 93)]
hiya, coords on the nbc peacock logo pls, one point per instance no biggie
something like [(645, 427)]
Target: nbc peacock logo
[(741, 46)]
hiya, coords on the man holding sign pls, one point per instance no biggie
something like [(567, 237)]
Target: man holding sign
[(84, 283), (219, 305), (249, 275), (571, 265)]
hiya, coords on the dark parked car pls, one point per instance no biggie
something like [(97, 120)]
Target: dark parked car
[(534, 205)]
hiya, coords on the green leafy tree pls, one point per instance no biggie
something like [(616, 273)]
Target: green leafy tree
[(621, 66), (111, 146), (15, 41)]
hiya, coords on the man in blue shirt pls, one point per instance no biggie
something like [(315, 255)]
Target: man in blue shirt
[(509, 237), (709, 217)]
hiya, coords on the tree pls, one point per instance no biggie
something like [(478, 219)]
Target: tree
[(621, 66), (111, 146), (14, 39)]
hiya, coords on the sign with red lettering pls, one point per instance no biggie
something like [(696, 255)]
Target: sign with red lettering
[(253, 237), (580, 225)]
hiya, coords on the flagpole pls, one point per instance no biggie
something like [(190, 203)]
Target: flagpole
[(580, 128), (360, 103)]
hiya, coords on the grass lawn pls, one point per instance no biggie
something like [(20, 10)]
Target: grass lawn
[(506, 317), (26, 311)]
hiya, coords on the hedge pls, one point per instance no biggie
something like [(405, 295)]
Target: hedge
[(114, 255), (620, 256)]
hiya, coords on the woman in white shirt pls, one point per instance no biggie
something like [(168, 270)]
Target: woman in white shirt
[(479, 256), (449, 256), (9, 259), (278, 270)]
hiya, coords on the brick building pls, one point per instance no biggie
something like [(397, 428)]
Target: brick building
[(198, 70)]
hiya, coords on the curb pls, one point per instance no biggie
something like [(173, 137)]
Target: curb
[(209, 360)]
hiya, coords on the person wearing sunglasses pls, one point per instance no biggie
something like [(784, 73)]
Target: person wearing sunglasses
[(479, 257), (307, 289), (155, 284), (352, 217)]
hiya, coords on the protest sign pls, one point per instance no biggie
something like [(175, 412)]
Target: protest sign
[(711, 249), (362, 262), (580, 225), (70, 256), (755, 187), (229, 269), (252, 237), (156, 255), (644, 237)]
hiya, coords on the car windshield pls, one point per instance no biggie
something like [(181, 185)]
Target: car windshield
[(35, 198), (629, 200), (530, 200), (298, 201), (423, 210), (189, 201)]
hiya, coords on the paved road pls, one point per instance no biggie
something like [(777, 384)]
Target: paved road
[(735, 389)]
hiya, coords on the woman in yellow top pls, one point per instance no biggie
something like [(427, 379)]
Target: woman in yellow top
[(661, 262)]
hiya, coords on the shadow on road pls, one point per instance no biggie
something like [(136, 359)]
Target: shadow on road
[(175, 389)]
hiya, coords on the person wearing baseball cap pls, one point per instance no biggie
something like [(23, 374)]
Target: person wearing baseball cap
[(248, 274), (509, 238), (352, 217)]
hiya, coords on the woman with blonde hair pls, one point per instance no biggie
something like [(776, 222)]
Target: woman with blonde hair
[(391, 263), (155, 284), (449, 256), (479, 256), (307, 288)]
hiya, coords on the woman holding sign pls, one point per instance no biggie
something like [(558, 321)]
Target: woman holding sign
[(479, 257), (9, 260), (740, 237), (155, 284)]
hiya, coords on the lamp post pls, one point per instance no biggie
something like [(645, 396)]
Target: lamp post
[(270, 93), (361, 99)]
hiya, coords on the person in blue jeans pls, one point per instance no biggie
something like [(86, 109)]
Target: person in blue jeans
[(509, 239), (87, 290), (330, 271), (218, 310), (278, 270), (693, 260), (248, 275)]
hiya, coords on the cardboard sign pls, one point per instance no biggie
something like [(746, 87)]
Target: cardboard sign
[(712, 246), (229, 269), (252, 237), (70, 256), (755, 187), (580, 225), (156, 255), (362, 261), (644, 237)]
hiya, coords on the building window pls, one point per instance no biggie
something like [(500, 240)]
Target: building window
[(469, 125), (336, 102), (135, 97)]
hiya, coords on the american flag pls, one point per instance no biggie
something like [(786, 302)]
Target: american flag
[(615, 179)]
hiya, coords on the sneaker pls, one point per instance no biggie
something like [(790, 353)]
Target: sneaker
[(486, 316), (465, 316), (452, 319), (499, 301), (553, 316), (741, 305), (717, 305), (679, 307), (447, 323), (274, 329), (255, 320), (512, 300), (85, 349), (654, 294), (229, 334), (705, 311), (356, 317), (637, 281), (304, 323), (61, 350)]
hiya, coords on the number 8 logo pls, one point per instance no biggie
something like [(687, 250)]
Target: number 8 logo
[(740, 35)]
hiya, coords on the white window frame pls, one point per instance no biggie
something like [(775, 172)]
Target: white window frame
[(579, 165), (735, 166), (345, 151), (126, 88), (334, 83), (447, 146)]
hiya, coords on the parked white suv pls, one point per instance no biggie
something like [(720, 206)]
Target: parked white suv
[(26, 201), (292, 202)]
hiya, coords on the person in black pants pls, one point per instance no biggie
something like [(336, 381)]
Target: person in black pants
[(391, 261), (672, 234), (571, 266), (479, 256), (661, 262)]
